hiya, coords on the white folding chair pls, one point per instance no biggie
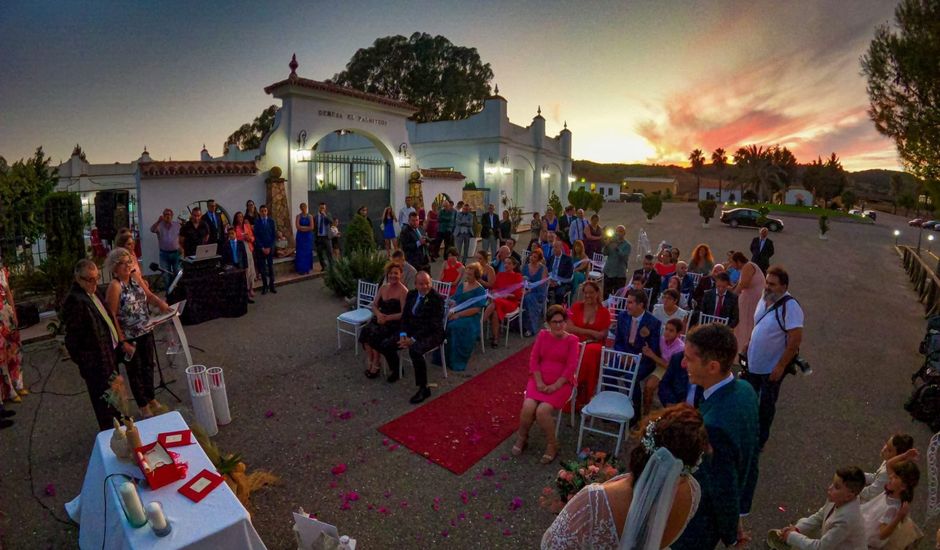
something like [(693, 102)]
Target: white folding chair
[(684, 300), (574, 389), (613, 400), (617, 304), (513, 316), (357, 318), (440, 348), (704, 318), (696, 277), (525, 256), (441, 288), (596, 273)]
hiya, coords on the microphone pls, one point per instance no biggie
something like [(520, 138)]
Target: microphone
[(154, 266)]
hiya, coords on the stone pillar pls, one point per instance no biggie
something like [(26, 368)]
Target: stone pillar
[(279, 206)]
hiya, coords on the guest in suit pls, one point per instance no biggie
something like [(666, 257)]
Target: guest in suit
[(560, 270), (564, 222), (719, 301), (675, 386), (729, 407), (321, 232), (489, 229), (265, 238), (638, 329), (705, 284), (91, 339), (422, 322), (415, 244), (505, 227), (686, 285), (762, 249), (838, 524), (234, 253), (651, 279), (216, 224)]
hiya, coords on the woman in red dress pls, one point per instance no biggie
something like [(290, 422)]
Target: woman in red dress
[(452, 270), (590, 321), (508, 283)]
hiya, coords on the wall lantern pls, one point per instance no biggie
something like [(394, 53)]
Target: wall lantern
[(303, 154), (403, 159), (490, 168), (545, 173), (504, 166), (572, 179)]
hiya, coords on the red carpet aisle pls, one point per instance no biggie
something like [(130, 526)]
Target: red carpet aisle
[(462, 426)]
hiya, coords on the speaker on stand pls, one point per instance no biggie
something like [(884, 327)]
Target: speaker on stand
[(111, 212)]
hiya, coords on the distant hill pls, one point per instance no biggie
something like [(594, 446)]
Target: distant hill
[(867, 184)]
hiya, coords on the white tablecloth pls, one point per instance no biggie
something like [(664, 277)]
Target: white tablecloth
[(217, 521)]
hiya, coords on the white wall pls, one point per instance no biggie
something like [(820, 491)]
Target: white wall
[(230, 192)]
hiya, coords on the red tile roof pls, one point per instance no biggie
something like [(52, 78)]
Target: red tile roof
[(178, 168), (341, 90), (442, 174)]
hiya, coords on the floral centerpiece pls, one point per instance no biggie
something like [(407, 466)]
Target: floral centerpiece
[(590, 467)]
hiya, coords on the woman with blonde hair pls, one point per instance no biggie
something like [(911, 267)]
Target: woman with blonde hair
[(582, 265)]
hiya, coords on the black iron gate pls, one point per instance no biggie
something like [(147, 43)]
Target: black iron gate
[(346, 183)]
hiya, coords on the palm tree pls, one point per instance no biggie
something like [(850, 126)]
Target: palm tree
[(719, 161), (750, 161), (767, 170), (697, 159)]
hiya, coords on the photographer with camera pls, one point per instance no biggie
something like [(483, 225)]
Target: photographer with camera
[(774, 346)]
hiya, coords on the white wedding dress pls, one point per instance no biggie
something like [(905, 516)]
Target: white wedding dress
[(587, 520)]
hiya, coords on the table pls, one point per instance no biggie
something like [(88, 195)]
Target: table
[(213, 293), (218, 521)]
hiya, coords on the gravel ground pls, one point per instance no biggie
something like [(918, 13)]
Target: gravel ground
[(289, 389)]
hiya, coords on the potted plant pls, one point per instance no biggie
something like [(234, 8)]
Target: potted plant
[(823, 227), (707, 209)]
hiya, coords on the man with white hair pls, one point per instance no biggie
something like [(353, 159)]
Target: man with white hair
[(682, 272), (499, 264), (576, 229)]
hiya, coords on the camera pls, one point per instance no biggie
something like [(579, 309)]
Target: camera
[(799, 365)]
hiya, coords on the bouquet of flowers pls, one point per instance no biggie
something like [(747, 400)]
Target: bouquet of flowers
[(590, 467)]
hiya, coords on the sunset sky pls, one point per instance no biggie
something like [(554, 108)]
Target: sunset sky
[(636, 81)]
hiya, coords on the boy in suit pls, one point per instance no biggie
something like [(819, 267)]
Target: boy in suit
[(422, 321), (719, 301), (235, 254), (729, 409), (837, 525), (637, 328), (265, 237), (651, 279)]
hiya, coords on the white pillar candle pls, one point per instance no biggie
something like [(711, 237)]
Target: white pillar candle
[(132, 505), (155, 515)]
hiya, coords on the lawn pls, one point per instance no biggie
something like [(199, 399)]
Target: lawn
[(809, 210)]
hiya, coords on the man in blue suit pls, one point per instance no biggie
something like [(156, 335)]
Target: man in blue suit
[(560, 269), (728, 475), (636, 329), (265, 237), (235, 254)]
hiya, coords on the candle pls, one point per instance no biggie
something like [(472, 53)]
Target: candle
[(156, 517), (130, 500)]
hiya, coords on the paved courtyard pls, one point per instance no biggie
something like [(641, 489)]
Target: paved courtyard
[(289, 389)]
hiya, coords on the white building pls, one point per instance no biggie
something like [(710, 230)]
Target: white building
[(610, 191), (79, 176), (799, 196)]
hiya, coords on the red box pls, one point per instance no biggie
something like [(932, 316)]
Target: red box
[(159, 466), (175, 439), (200, 485)]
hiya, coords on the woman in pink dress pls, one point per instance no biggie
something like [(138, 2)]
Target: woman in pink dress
[(750, 289), (552, 367)]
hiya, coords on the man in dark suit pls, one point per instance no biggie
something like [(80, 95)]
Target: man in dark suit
[(564, 222), (321, 236), (489, 230), (265, 237), (762, 249), (422, 322), (216, 224), (415, 244), (719, 301), (651, 279), (235, 254), (636, 329), (560, 270), (728, 475), (91, 339), (687, 286), (194, 232)]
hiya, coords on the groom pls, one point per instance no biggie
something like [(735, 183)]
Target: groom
[(729, 409)]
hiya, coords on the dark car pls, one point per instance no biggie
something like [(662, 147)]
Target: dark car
[(929, 224), (748, 217), (632, 197)]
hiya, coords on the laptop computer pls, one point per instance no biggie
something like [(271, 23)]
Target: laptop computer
[(204, 251)]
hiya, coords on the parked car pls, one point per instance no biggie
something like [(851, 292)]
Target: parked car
[(632, 197), (870, 214), (917, 222), (930, 224), (748, 217)]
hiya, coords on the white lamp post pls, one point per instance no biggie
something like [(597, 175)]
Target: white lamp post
[(897, 233)]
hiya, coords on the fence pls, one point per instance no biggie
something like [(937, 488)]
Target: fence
[(925, 280)]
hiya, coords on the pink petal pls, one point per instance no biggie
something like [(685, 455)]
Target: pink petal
[(339, 469), (50, 490), (268, 414), (383, 510), (444, 534), (392, 447), (345, 506), (385, 442), (487, 516), (403, 504), (345, 415), (352, 495), (488, 472), (515, 504), (507, 533)]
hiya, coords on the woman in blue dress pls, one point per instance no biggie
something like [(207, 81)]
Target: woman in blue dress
[(533, 302), (303, 261), (463, 326), (550, 221), (581, 268), (388, 230)]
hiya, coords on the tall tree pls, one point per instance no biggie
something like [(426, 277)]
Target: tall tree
[(719, 162), (766, 170), (902, 66), (896, 184), (24, 186), (444, 81), (249, 136), (697, 160), (826, 179)]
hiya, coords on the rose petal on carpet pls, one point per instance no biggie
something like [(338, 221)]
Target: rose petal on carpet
[(464, 425)]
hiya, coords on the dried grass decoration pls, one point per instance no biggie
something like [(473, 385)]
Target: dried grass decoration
[(233, 470)]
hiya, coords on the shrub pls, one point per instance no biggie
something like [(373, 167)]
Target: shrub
[(652, 205), (554, 202), (823, 225), (707, 209), (731, 198), (749, 196), (580, 198), (668, 195), (65, 243), (848, 199), (344, 273), (359, 235), (470, 186), (597, 202)]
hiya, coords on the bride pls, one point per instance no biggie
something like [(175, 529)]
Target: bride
[(647, 508)]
